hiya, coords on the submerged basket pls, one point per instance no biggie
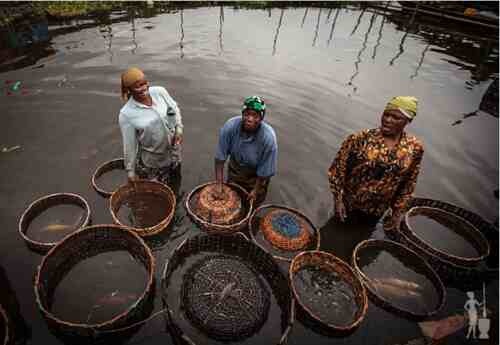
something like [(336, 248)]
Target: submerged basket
[(86, 243), (213, 228), (468, 277), (328, 262), (123, 194), (117, 163), (4, 322), (285, 231), (412, 258), (225, 294), (42, 204)]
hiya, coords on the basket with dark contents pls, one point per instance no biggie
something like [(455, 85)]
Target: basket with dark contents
[(219, 209), (109, 176), (4, 327), (50, 218), (398, 279), (469, 253), (283, 231), (146, 207), (231, 291), (95, 281), (328, 290)]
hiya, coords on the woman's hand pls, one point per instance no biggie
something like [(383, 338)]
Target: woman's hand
[(252, 195), (177, 140), (340, 210), (392, 222)]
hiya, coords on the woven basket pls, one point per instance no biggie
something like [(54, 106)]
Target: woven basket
[(282, 248), (410, 256), (123, 193), (466, 277), (117, 163), (85, 243), (328, 262), (238, 247), (4, 321), (40, 205), (213, 228)]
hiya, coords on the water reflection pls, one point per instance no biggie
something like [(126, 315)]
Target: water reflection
[(134, 30), (328, 15), (401, 44), (358, 21), (278, 31), (221, 21), (181, 44), (420, 62), (333, 25), (304, 18), (316, 31), (380, 32)]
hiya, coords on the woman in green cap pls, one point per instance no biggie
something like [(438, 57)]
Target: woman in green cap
[(250, 143), (377, 169)]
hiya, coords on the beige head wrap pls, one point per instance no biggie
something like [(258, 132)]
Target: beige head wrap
[(129, 77)]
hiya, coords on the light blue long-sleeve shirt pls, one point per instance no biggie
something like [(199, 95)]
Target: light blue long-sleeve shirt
[(152, 129), (258, 151)]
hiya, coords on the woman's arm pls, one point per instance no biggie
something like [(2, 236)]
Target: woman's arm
[(129, 145)]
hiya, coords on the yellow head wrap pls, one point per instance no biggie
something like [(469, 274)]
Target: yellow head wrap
[(407, 105), (129, 77)]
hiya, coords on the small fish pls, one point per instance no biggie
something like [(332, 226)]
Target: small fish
[(56, 227), (115, 298), (442, 328), (10, 149), (389, 289), (404, 284)]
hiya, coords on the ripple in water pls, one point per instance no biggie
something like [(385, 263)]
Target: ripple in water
[(325, 293), (54, 223), (144, 210)]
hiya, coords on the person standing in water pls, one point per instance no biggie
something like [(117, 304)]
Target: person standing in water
[(251, 145), (151, 127), (471, 307), (377, 169)]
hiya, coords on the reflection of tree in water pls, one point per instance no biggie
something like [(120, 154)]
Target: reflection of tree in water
[(316, 31), (304, 18), (401, 44), (380, 32), (333, 25), (181, 43), (328, 15), (358, 21), (134, 30), (420, 62), (489, 103), (278, 31)]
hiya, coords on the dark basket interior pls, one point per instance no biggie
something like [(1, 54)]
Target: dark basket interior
[(104, 168)]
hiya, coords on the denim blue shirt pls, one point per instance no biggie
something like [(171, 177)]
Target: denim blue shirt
[(258, 151)]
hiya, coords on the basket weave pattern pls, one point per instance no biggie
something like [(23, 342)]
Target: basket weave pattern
[(283, 241)]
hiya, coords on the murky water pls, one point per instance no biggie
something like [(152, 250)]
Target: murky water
[(399, 282), (326, 295), (111, 180), (444, 238), (324, 73), (57, 221), (143, 210), (92, 291)]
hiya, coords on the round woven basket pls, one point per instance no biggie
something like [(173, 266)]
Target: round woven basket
[(472, 235), (5, 324), (466, 277), (117, 163), (213, 228), (83, 244), (328, 262), (282, 247), (217, 254), (123, 193), (412, 258), (42, 204)]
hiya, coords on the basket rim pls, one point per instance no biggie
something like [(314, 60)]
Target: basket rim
[(428, 247), (94, 326), (364, 278), (364, 306), (221, 228), (151, 230), (49, 245), (98, 173), (4, 316), (293, 210)]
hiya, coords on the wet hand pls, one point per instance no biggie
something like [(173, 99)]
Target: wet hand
[(252, 195), (340, 210), (177, 140)]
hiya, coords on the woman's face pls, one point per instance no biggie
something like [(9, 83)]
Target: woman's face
[(393, 122), (251, 120), (139, 89)]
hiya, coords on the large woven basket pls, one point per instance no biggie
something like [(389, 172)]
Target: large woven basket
[(274, 244), (123, 193), (213, 228), (117, 163), (239, 247), (328, 262), (466, 277), (4, 322), (83, 244), (40, 205), (412, 258)]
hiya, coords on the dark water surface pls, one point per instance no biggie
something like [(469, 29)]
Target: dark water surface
[(323, 74), (111, 180), (143, 210)]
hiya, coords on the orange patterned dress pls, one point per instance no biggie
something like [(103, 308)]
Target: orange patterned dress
[(368, 176)]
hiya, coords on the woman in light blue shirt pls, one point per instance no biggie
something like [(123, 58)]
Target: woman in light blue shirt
[(151, 127)]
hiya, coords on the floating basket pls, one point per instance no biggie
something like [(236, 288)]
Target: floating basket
[(115, 164), (227, 288), (124, 193), (466, 276), (81, 245), (283, 231), (226, 217), (329, 263), (4, 323), (42, 204), (411, 259)]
